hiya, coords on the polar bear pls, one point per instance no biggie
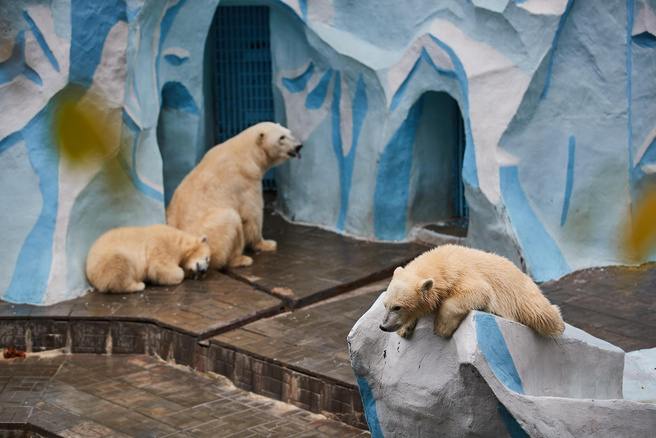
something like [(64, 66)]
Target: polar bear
[(122, 259), (222, 196), (451, 280)]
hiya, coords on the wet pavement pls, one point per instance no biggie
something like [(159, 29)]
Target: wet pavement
[(199, 307), (312, 264), (277, 328), (617, 304), (139, 396), (312, 339)]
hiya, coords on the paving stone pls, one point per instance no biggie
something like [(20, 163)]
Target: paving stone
[(311, 264), (613, 303), (121, 396), (196, 307), (90, 429), (312, 339)]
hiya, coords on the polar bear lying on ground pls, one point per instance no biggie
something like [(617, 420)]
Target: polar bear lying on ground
[(222, 197), (122, 259), (451, 280)]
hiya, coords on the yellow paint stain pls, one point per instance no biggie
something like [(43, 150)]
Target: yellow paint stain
[(87, 133), (80, 127), (639, 237)]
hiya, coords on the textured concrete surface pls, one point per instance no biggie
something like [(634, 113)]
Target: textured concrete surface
[(119, 396), (613, 303), (493, 378), (312, 264), (299, 357), (553, 158), (199, 307), (311, 339)]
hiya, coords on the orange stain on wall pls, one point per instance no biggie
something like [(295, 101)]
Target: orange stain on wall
[(639, 237)]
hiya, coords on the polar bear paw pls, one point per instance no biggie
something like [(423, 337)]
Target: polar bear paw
[(266, 245), (241, 261)]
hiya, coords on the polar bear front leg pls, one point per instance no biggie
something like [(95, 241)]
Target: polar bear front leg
[(448, 317), (134, 286), (165, 274), (407, 330), (253, 235)]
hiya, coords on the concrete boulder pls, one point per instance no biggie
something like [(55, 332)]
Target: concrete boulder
[(496, 377)]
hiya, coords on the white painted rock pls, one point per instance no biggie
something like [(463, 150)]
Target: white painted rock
[(494, 378)]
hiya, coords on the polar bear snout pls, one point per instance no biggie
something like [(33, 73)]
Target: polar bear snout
[(296, 152), (201, 268), (392, 322)]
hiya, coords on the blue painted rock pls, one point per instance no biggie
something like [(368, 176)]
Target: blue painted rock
[(496, 377)]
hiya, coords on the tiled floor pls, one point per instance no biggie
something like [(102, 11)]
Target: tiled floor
[(242, 316), (312, 339), (312, 264), (617, 304), (195, 306), (138, 396)]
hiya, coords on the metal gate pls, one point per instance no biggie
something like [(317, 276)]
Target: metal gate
[(243, 89)]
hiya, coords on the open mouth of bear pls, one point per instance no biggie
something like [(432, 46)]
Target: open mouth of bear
[(296, 152)]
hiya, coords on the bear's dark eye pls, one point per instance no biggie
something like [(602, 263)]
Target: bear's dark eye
[(396, 308), (282, 137)]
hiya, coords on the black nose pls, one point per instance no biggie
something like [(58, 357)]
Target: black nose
[(299, 147), (383, 328)]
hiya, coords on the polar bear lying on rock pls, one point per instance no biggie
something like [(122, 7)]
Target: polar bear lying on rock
[(123, 258), (222, 197), (451, 280)]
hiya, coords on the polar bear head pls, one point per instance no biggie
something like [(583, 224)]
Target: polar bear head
[(405, 299), (196, 259), (278, 142)]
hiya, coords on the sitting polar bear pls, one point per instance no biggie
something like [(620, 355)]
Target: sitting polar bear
[(451, 280), (221, 197), (123, 258)]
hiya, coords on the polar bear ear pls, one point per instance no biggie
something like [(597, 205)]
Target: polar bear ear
[(260, 139), (398, 270), (426, 285), (203, 239)]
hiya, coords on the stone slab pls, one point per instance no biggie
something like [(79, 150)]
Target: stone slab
[(311, 339), (312, 264), (119, 396), (613, 303), (197, 307), (493, 377)]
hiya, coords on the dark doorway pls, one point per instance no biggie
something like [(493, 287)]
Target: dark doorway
[(243, 93), (437, 190)]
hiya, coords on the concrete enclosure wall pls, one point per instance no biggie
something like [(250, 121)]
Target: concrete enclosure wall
[(556, 99)]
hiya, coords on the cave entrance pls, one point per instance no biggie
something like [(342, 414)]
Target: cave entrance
[(243, 89), (438, 201)]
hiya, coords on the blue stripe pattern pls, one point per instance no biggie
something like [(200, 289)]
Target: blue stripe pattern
[(493, 346), (543, 257), (132, 170), (571, 148), (369, 403), (298, 84), (317, 96), (41, 41), (554, 47), (30, 278)]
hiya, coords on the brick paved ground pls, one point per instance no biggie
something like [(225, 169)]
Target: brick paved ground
[(195, 306), (118, 396), (313, 264), (312, 339), (617, 304), (221, 324)]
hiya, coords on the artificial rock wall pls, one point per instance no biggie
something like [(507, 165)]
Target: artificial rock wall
[(556, 98)]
